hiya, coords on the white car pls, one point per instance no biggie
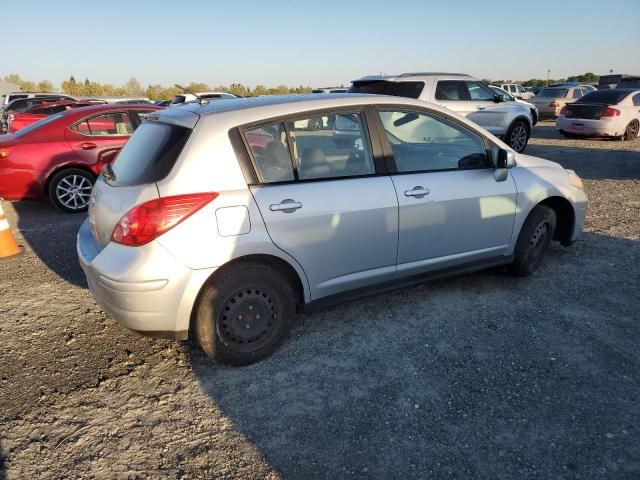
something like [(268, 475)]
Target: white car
[(516, 90), (189, 97), (510, 98), (604, 113), (464, 94)]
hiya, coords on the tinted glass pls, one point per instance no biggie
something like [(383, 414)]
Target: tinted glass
[(608, 97), (270, 153), (636, 100), (450, 90), (110, 124), (553, 92), (520, 89), (422, 143), (340, 151), (381, 87), (577, 93), (480, 92), (150, 153)]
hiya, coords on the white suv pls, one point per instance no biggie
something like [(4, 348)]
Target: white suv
[(464, 94), (516, 90)]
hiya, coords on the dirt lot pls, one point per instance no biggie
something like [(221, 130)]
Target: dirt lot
[(483, 376)]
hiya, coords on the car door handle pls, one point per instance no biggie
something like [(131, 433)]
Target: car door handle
[(87, 145), (287, 206), (418, 192)]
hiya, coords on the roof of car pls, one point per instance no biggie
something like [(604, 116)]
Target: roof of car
[(391, 78)]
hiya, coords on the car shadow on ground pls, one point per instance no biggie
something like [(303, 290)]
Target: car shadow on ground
[(483, 375), (2, 466), (51, 234)]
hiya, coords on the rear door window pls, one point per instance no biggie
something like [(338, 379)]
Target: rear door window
[(117, 123), (396, 89), (270, 151), (150, 154), (450, 90)]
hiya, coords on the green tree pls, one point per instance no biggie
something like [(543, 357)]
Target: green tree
[(45, 86), (133, 87)]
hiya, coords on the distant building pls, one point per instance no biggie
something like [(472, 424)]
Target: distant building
[(6, 87)]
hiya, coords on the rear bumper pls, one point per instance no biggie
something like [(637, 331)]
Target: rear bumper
[(588, 128), (548, 112), (146, 289)]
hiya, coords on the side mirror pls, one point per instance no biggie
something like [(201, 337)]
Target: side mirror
[(506, 159), (498, 98)]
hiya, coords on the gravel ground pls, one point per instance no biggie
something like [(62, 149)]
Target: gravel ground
[(483, 376)]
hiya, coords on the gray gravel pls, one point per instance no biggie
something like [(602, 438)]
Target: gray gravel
[(483, 376)]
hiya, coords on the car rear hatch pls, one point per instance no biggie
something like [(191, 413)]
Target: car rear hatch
[(146, 158), (585, 111)]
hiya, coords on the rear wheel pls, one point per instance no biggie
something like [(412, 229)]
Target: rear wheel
[(631, 132), (517, 136), (533, 241), (70, 189), (244, 315)]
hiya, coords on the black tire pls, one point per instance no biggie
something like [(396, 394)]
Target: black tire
[(517, 135), (631, 132), (244, 315), (533, 241), (70, 189)]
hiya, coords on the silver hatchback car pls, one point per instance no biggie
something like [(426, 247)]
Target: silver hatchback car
[(225, 219)]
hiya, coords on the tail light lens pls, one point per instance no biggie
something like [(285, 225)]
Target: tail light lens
[(147, 221), (554, 104), (611, 112)]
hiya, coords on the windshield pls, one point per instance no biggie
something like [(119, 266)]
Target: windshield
[(553, 92), (38, 124), (150, 153)]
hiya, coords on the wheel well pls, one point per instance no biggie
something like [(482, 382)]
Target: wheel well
[(60, 169), (526, 120), (274, 262), (565, 218)]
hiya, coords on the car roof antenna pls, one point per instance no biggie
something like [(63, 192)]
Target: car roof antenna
[(203, 101)]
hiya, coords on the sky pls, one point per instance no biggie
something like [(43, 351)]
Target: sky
[(316, 44)]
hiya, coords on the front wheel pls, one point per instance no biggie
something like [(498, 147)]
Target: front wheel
[(244, 315), (533, 241), (517, 136), (70, 190)]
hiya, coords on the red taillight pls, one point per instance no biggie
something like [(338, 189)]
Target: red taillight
[(554, 104), (145, 222), (563, 111), (610, 112)]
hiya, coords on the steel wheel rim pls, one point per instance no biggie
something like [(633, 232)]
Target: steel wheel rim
[(249, 319), (74, 191), (632, 130), (518, 138), (539, 239)]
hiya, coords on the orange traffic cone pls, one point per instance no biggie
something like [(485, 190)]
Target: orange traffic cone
[(8, 245)]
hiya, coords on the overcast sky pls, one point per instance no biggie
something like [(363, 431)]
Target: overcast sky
[(319, 43)]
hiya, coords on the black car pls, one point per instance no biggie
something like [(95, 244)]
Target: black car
[(21, 104)]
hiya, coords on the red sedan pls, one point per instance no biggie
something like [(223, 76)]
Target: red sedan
[(60, 156), (18, 120)]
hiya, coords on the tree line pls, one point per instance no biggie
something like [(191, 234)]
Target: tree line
[(90, 88), (158, 92), (588, 77)]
